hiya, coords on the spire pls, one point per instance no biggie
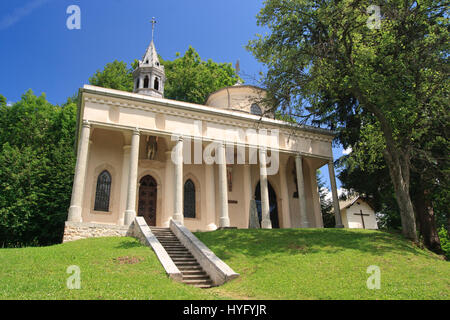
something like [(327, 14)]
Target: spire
[(150, 57), (149, 76)]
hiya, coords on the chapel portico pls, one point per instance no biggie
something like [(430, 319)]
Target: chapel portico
[(205, 166), (118, 134)]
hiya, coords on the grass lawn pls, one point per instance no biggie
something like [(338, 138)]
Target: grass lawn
[(274, 264)]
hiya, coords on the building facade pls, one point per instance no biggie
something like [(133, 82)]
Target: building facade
[(141, 154)]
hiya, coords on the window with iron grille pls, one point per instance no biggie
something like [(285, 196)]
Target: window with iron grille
[(103, 191), (189, 199)]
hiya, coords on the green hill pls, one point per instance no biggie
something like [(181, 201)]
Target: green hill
[(274, 264)]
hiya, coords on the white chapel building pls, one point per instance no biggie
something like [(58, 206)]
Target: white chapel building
[(358, 214), (140, 154)]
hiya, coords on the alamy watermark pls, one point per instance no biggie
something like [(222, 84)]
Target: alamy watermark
[(74, 281), (374, 280), (73, 22), (238, 147), (374, 20)]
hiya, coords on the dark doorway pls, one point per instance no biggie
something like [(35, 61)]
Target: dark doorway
[(147, 200), (273, 208)]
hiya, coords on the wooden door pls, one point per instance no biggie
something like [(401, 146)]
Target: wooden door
[(147, 200)]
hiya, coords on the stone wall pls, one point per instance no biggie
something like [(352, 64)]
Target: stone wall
[(81, 230)]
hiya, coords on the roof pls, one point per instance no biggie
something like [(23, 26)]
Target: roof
[(150, 56), (236, 86), (344, 204)]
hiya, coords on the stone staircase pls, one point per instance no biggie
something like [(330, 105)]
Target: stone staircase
[(193, 273)]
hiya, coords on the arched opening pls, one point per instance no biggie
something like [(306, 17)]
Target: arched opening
[(189, 199), (146, 81), (103, 191), (137, 83), (273, 207), (147, 199), (156, 84)]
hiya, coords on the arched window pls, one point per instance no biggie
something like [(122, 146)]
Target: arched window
[(156, 84), (255, 109), (103, 191), (189, 199), (146, 81)]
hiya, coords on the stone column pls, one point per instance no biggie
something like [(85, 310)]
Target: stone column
[(167, 213), (337, 211), (284, 195), (80, 174), (177, 157), (265, 206), (210, 197), (130, 212), (224, 220), (247, 180), (301, 192), (124, 184)]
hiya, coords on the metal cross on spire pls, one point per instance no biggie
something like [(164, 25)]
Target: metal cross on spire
[(153, 21)]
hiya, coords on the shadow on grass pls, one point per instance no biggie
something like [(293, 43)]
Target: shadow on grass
[(128, 243), (259, 242)]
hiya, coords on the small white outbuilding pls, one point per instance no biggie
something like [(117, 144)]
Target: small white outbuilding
[(357, 214)]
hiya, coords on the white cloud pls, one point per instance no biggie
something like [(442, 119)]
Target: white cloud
[(347, 151), (19, 13), (9, 103), (329, 196)]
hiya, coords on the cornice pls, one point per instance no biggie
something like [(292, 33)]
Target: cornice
[(203, 113)]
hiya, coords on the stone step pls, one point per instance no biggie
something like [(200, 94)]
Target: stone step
[(195, 277), (187, 263), (180, 259), (190, 268), (198, 281), (181, 255), (194, 273), (202, 286)]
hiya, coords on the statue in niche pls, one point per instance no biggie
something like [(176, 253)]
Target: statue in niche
[(151, 147)]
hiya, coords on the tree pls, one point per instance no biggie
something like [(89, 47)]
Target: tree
[(326, 205), (191, 79), (37, 162), (115, 75), (188, 77), (328, 65)]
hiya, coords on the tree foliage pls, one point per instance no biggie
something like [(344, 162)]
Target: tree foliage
[(115, 75), (327, 66), (36, 170), (188, 77), (191, 79)]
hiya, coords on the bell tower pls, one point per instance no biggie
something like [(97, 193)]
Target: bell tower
[(149, 77)]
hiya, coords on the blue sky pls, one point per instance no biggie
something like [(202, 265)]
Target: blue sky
[(38, 51)]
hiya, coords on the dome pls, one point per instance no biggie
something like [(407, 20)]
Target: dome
[(242, 98)]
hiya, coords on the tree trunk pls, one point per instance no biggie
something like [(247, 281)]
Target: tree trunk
[(427, 222), (401, 187), (397, 157)]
